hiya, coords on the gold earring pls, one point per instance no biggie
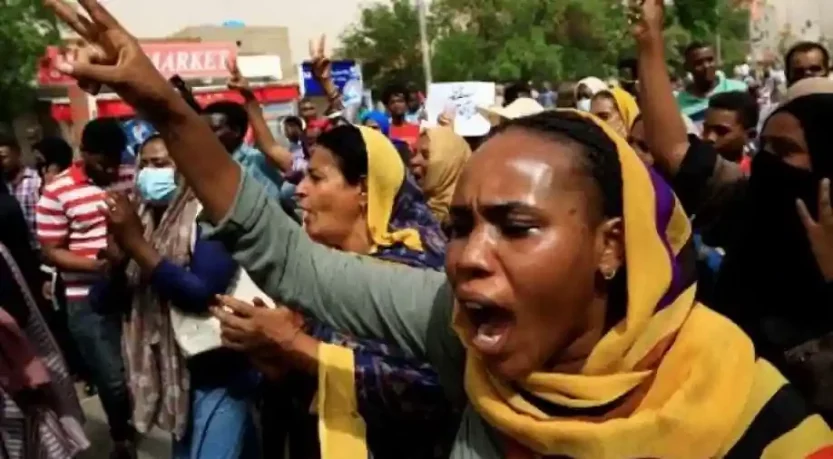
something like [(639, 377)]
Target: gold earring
[(609, 274)]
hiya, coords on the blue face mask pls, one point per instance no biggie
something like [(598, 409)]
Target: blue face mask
[(157, 185)]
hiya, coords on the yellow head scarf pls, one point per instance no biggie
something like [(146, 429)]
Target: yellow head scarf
[(626, 105), (449, 153), (672, 380), (385, 174)]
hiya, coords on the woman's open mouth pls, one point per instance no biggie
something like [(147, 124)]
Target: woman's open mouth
[(492, 325)]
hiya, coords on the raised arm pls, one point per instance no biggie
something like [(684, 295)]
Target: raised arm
[(665, 130), (277, 155), (110, 55), (322, 71)]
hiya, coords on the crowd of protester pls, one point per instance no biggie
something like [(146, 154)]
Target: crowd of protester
[(627, 270)]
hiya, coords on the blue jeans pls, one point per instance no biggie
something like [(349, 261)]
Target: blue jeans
[(222, 426), (98, 338)]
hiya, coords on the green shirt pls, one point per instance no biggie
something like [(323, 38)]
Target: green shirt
[(406, 306)]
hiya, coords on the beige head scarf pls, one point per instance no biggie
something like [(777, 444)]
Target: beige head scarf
[(448, 154)]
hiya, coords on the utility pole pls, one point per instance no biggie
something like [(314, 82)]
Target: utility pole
[(423, 39)]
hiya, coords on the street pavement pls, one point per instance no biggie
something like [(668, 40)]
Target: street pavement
[(157, 445)]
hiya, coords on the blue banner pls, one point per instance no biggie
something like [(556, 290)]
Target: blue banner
[(346, 74)]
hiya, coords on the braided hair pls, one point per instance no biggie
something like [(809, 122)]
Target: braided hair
[(598, 155)]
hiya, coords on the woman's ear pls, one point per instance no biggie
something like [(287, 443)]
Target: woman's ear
[(611, 246)]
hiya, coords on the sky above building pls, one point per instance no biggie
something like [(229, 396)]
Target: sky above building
[(306, 19)]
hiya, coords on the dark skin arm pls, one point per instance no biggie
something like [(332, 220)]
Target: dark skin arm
[(277, 155), (111, 55), (323, 73), (665, 130)]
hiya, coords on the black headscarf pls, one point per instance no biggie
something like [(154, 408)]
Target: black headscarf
[(770, 278)]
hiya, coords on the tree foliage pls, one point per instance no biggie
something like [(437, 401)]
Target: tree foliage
[(508, 40), (25, 31)]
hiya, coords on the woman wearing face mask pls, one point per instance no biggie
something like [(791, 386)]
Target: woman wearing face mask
[(358, 197), (775, 280), (617, 108), (585, 90), (202, 399)]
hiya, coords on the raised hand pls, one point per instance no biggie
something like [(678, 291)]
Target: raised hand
[(820, 233), (322, 68), (646, 19), (236, 80), (110, 55)]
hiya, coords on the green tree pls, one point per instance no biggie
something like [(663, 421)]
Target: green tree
[(25, 31), (508, 40), (386, 41)]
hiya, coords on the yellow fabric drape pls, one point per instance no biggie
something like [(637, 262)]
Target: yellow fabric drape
[(627, 106), (341, 430), (448, 155), (385, 174), (694, 394)]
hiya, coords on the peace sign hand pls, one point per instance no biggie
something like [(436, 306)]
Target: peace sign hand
[(322, 67), (820, 233), (110, 55), (236, 79)]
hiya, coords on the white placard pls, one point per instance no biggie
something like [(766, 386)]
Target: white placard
[(465, 97)]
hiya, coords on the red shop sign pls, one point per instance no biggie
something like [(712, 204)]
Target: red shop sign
[(188, 60)]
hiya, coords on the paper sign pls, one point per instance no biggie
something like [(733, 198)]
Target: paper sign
[(465, 97)]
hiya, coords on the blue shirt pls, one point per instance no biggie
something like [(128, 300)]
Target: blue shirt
[(256, 164)]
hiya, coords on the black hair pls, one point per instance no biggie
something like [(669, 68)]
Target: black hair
[(295, 120), (694, 46), (630, 63), (805, 47), (55, 150), (393, 90), (512, 92), (350, 151), (144, 143), (104, 136), (236, 115), (741, 103), (7, 139), (598, 152)]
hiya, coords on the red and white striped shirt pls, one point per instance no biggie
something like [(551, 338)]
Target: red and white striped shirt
[(69, 214)]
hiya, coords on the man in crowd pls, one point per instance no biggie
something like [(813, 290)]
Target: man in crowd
[(72, 230), (307, 110), (24, 182), (806, 59), (230, 122), (414, 106), (706, 82), (731, 125), (395, 99)]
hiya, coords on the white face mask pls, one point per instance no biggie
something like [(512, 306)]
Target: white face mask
[(583, 105)]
